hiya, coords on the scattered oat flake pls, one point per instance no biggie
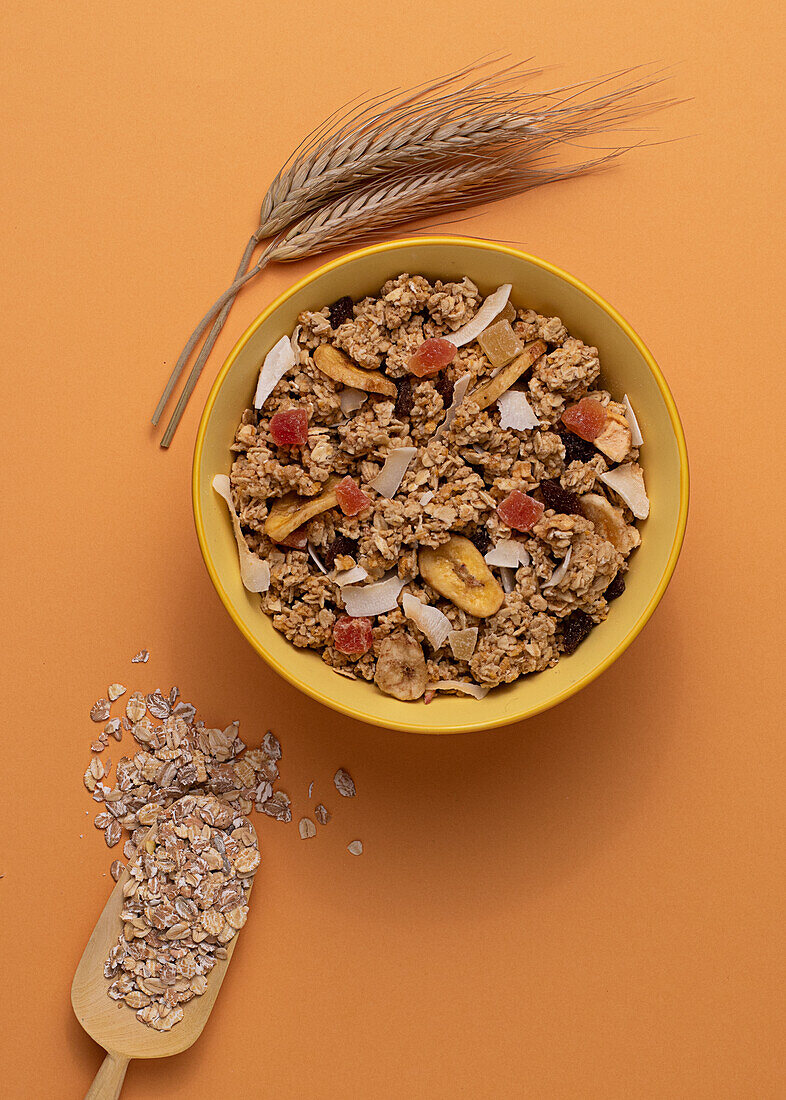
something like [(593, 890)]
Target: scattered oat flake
[(356, 847), (99, 711), (112, 728), (306, 828), (98, 746), (116, 869), (158, 705), (141, 658), (344, 782), (135, 707), (114, 691), (310, 788), (322, 814)]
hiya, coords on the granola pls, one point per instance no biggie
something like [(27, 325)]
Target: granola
[(325, 503)]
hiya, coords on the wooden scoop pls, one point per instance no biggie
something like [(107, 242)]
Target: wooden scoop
[(113, 1024)]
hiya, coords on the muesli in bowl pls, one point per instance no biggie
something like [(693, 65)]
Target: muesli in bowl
[(435, 491)]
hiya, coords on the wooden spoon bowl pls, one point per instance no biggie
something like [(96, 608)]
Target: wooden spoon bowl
[(113, 1024)]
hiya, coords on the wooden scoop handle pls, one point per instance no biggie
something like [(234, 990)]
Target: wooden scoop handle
[(109, 1079)]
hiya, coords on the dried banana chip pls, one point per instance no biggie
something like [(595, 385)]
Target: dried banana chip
[(338, 366)]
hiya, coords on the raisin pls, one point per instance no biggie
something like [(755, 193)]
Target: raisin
[(341, 311), (616, 588), (480, 540), (576, 450), (575, 629), (561, 500), (405, 399), (444, 388), (341, 546)]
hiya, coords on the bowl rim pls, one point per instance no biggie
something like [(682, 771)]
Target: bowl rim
[(674, 417)]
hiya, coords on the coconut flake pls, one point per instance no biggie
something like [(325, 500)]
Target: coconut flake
[(628, 482), (427, 498), (351, 399), (392, 473), (367, 600), (516, 412), (254, 572), (459, 685), (278, 361), (508, 576), (463, 642), (633, 424), (349, 576), (559, 572), (459, 393), (487, 313), (316, 558), (430, 620), (294, 342), (508, 552)]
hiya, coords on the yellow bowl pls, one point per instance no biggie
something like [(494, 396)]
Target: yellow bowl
[(627, 367)]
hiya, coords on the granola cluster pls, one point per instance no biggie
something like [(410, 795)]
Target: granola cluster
[(454, 486), (185, 899)]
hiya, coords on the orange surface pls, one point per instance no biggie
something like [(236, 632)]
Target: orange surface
[(582, 906)]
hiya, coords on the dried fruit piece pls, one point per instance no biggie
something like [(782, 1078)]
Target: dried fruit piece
[(520, 511), (500, 343), (487, 313), (508, 313), (338, 366), (586, 419), (576, 449), (297, 540), (444, 387), (99, 711), (481, 539), (292, 511), (615, 439), (341, 311), (344, 783), (351, 498), (460, 388), (457, 571), (306, 828), (431, 357), (487, 393), (405, 398), (575, 629), (616, 588), (352, 636), (341, 546), (401, 668), (609, 522), (559, 499), (289, 427), (463, 642)]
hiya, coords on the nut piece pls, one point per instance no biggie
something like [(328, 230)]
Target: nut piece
[(615, 439), (401, 668), (609, 522), (458, 572), (292, 511), (485, 395), (338, 366)]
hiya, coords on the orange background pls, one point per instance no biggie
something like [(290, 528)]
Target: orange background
[(585, 905)]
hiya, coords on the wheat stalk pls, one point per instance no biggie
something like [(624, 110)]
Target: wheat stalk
[(463, 139)]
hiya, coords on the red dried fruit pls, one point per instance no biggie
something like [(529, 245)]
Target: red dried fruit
[(352, 636), (585, 419), (297, 539), (351, 498), (561, 500), (432, 355), (341, 311), (289, 428), (575, 629), (519, 511)]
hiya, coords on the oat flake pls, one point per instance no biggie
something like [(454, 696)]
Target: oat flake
[(356, 847), (114, 691), (99, 711), (322, 814), (306, 828), (344, 782), (140, 658)]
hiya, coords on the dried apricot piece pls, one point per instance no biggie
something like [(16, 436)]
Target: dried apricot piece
[(351, 498), (520, 511), (586, 419), (352, 636), (289, 428), (432, 355), (297, 540)]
